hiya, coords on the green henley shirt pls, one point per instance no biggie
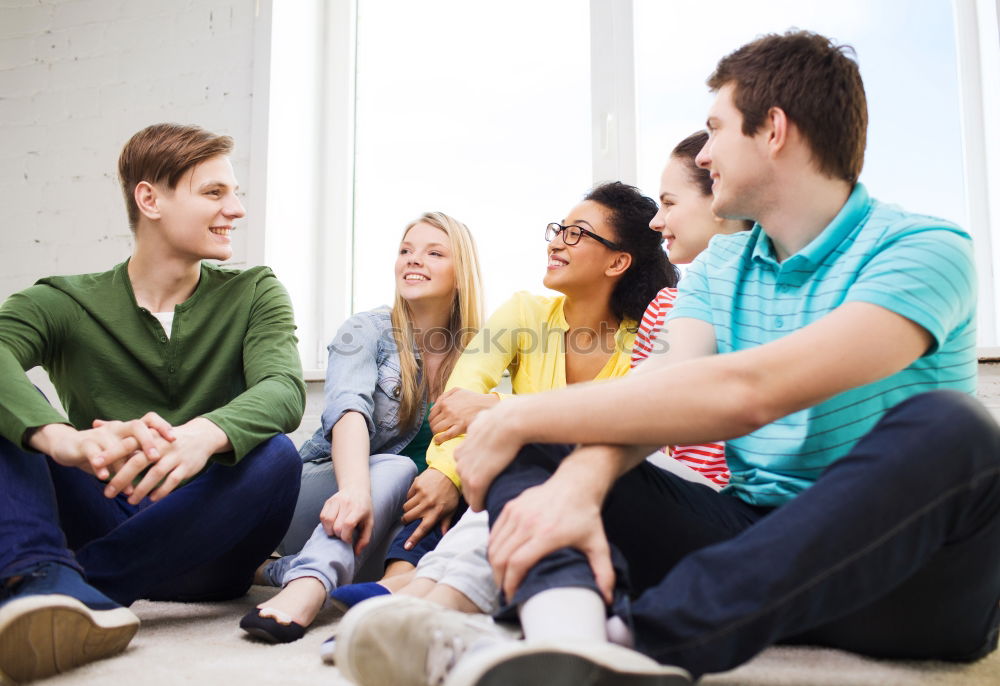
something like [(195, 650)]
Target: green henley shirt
[(231, 356)]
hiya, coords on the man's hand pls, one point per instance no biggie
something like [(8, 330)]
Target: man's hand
[(194, 442), (432, 498), (105, 447), (492, 443), (346, 513), (454, 411), (544, 519)]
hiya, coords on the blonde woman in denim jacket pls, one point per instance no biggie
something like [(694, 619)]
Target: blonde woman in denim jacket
[(384, 367)]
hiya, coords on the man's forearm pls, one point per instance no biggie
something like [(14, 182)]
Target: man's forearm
[(688, 403)]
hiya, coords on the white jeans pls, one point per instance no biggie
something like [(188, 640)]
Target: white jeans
[(459, 560)]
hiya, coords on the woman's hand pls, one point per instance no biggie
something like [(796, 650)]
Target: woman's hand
[(347, 514), (454, 411), (432, 498), (492, 443)]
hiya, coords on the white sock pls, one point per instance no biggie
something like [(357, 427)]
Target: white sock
[(564, 613), (619, 633)]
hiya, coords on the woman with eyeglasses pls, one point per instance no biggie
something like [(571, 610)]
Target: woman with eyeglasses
[(607, 266)]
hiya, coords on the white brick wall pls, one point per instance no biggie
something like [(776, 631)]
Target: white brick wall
[(77, 78)]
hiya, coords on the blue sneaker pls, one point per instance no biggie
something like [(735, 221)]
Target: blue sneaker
[(345, 597), (52, 621)]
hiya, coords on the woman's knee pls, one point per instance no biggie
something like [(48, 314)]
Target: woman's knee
[(391, 477), (395, 467)]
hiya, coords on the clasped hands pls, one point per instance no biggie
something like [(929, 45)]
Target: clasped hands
[(119, 451)]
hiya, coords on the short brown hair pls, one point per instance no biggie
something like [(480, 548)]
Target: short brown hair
[(815, 82), (161, 153)]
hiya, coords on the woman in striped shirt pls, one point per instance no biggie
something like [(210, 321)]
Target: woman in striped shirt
[(687, 224)]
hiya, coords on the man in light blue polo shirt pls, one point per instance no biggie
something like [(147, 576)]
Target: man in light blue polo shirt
[(833, 348), (918, 267)]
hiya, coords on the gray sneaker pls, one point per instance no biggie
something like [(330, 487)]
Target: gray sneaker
[(406, 641), (562, 663)]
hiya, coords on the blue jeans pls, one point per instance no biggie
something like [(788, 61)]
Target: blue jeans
[(894, 552), (202, 542), (424, 545)]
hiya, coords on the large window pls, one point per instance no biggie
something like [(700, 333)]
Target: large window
[(503, 115), (481, 111)]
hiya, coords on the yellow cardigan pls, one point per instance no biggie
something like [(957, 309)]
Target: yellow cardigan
[(526, 335)]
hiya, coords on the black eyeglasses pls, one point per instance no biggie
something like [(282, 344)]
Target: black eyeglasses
[(571, 235)]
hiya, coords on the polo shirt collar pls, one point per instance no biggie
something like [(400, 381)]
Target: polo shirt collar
[(813, 254)]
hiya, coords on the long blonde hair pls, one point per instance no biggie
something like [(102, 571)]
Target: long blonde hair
[(465, 320)]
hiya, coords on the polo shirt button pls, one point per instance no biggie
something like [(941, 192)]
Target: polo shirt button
[(779, 322), (172, 370), (163, 339)]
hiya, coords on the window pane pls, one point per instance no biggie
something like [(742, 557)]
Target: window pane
[(479, 111), (906, 51)]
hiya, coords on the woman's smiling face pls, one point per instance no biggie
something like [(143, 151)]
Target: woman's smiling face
[(570, 265), (685, 218), (424, 266)]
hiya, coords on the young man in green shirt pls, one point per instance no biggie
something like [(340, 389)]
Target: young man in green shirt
[(171, 477)]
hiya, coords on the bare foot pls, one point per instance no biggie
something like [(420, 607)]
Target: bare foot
[(452, 598), (394, 583), (302, 599), (395, 568), (418, 588), (442, 594)]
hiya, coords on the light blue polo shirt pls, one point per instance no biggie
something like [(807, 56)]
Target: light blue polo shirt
[(917, 266)]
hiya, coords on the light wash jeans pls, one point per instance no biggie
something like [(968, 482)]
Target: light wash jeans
[(308, 551)]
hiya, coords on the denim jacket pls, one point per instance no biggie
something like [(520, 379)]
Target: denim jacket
[(362, 375)]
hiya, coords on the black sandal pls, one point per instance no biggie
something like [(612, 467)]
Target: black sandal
[(271, 625)]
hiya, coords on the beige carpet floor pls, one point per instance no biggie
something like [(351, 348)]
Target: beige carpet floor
[(202, 644)]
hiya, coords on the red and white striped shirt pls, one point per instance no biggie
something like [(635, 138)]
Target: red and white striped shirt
[(708, 459)]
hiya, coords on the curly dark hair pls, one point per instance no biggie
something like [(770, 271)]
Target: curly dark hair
[(629, 213)]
